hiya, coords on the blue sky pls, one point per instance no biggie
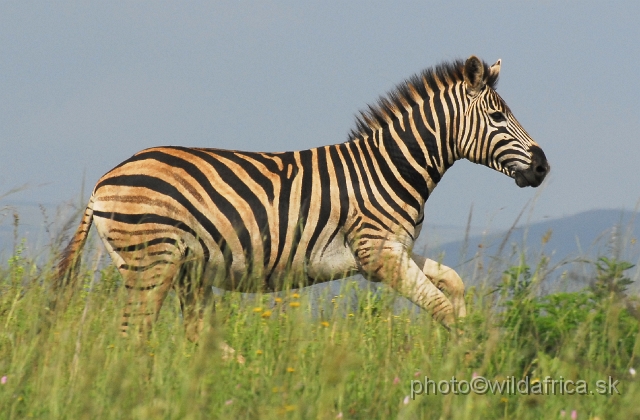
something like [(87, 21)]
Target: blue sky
[(84, 85)]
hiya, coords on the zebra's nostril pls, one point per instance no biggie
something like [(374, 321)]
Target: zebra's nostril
[(541, 169)]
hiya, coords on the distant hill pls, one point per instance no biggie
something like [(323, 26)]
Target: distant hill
[(576, 234), (583, 236)]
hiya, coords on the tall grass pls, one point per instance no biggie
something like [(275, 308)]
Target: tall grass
[(344, 360)]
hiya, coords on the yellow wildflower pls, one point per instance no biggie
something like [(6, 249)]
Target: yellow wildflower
[(295, 296), (278, 300), (258, 352), (289, 407), (258, 309), (290, 369), (294, 304), (266, 314), (324, 323)]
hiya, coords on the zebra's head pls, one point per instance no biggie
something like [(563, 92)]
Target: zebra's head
[(491, 135)]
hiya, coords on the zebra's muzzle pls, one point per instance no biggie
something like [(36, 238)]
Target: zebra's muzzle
[(536, 172)]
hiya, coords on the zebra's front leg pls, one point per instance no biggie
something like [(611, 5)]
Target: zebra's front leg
[(445, 279), (393, 265)]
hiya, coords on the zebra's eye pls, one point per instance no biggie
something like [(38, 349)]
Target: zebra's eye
[(498, 116)]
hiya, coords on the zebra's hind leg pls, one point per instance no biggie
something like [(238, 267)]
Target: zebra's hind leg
[(195, 293), (445, 279), (146, 292)]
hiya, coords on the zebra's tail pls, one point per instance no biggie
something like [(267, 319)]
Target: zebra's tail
[(66, 272)]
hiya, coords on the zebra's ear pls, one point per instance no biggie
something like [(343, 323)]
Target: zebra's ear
[(494, 73), (474, 75)]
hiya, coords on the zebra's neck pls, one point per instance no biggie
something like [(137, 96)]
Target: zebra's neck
[(408, 151)]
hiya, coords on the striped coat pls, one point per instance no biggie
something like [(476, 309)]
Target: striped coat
[(192, 217)]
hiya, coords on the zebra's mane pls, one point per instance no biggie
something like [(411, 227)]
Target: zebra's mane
[(377, 115)]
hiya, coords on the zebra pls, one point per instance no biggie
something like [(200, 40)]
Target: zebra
[(178, 217)]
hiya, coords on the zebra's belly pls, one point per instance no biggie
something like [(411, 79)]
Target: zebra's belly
[(336, 262)]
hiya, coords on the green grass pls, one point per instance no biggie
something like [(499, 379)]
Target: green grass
[(301, 364)]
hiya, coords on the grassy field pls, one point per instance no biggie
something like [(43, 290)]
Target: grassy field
[(362, 361)]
